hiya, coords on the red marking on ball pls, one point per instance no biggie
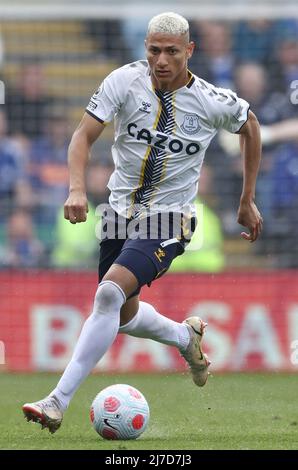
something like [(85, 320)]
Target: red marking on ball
[(138, 421), (92, 414), (111, 404), (109, 433), (134, 393)]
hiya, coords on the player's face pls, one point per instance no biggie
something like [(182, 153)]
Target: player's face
[(168, 56)]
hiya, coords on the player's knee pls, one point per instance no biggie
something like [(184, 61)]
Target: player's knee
[(108, 297)]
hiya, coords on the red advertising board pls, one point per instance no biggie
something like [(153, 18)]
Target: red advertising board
[(252, 320)]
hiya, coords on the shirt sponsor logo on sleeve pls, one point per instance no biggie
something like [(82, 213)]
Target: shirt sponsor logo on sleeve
[(92, 106)]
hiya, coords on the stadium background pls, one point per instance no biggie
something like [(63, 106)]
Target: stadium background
[(52, 57)]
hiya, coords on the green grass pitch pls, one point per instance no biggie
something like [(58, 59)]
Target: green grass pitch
[(233, 411)]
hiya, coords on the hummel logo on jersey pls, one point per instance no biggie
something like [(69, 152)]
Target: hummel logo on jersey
[(145, 108)]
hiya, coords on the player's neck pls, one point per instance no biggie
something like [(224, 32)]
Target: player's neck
[(177, 83)]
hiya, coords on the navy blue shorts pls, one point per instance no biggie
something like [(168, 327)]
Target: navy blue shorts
[(147, 258)]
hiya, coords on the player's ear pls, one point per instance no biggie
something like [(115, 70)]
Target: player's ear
[(190, 49)]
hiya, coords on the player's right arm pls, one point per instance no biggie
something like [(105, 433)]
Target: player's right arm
[(76, 205), (103, 106)]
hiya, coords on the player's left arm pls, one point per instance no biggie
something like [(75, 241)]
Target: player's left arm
[(251, 149)]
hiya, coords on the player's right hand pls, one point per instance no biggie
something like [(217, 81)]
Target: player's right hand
[(76, 207)]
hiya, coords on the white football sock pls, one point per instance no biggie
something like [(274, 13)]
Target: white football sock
[(148, 323), (98, 333)]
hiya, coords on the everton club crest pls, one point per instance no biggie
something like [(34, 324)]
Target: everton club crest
[(191, 124)]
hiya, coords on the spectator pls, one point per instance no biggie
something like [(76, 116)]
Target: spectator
[(48, 168), (271, 108), (288, 60), (75, 246), (14, 185), (254, 41), (134, 33), (283, 227), (107, 36), (215, 61), (286, 55), (98, 175), (22, 248), (27, 106), (252, 81)]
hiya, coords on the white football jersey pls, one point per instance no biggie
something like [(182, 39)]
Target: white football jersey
[(160, 137)]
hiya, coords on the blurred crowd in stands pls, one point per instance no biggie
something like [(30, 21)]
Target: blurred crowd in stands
[(258, 59)]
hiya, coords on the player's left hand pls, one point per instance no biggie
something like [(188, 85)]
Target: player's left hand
[(250, 217)]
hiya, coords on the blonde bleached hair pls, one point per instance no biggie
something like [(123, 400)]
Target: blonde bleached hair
[(168, 23)]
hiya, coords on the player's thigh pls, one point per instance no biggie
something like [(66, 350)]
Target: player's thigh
[(147, 259), (123, 277), (109, 251), (108, 270)]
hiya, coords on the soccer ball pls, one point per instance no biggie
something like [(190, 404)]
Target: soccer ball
[(119, 412)]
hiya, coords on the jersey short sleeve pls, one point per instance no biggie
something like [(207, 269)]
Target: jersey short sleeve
[(109, 97), (228, 110)]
